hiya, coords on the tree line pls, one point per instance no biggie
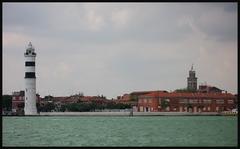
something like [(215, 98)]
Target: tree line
[(82, 107)]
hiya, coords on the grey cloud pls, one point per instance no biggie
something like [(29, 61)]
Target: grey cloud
[(152, 50)]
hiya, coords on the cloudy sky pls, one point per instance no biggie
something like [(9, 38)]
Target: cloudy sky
[(117, 48)]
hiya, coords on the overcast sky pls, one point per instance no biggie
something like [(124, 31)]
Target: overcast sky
[(117, 48)]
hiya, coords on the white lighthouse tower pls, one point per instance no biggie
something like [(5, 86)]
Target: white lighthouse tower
[(30, 107)]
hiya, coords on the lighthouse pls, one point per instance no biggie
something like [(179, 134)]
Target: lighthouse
[(30, 107)]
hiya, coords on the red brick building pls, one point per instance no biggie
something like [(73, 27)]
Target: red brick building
[(186, 102), (18, 102)]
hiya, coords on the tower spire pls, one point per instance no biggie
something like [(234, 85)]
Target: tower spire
[(192, 67)]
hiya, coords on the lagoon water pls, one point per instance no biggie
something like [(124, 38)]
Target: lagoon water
[(120, 131)]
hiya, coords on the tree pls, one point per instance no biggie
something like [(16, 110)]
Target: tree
[(184, 90), (164, 104), (133, 98), (63, 108), (189, 106), (7, 102), (47, 107), (38, 107), (49, 97)]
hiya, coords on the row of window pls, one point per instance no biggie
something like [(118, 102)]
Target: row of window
[(207, 101), (193, 101), (181, 109), (145, 100), (18, 98)]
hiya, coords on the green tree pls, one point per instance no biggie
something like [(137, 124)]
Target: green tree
[(49, 97), (7, 102), (185, 90), (133, 98), (63, 108), (48, 107), (164, 104)]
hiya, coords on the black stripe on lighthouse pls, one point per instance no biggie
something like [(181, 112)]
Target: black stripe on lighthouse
[(30, 75), (29, 63)]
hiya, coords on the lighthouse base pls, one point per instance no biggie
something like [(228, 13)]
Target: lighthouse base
[(32, 112), (30, 107)]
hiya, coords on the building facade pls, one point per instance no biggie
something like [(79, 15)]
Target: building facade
[(186, 102), (18, 102)]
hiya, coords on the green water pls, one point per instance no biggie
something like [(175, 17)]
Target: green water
[(120, 131)]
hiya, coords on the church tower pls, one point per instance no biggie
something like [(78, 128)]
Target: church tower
[(192, 80), (30, 107)]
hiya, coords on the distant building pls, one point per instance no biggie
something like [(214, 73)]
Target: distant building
[(209, 89), (124, 98), (18, 102), (133, 98), (186, 102), (192, 80)]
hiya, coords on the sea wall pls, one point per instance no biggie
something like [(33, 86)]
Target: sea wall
[(125, 113)]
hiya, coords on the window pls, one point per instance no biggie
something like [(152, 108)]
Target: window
[(167, 108), (150, 100), (230, 101), (183, 101), (145, 100), (141, 109), (159, 100), (193, 101), (208, 109), (207, 101), (220, 101)]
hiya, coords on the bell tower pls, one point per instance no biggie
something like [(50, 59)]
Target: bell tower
[(192, 80)]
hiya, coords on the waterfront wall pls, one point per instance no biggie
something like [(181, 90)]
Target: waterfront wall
[(124, 113)]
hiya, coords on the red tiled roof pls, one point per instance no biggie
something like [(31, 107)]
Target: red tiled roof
[(189, 95)]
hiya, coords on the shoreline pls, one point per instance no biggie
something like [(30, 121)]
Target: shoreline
[(130, 114)]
